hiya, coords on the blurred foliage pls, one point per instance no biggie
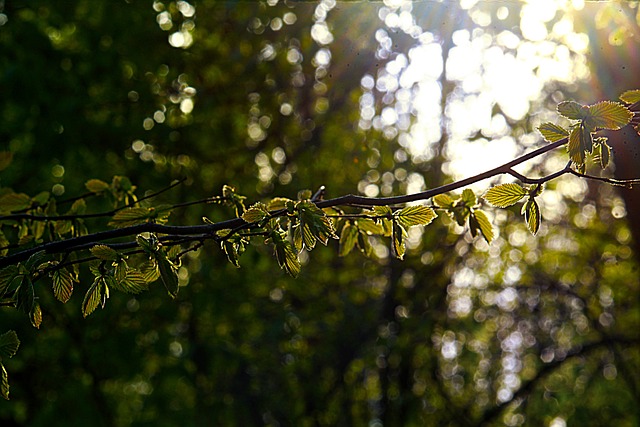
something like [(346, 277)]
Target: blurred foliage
[(270, 98)]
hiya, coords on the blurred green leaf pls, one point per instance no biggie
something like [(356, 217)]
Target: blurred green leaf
[(348, 239), (631, 96), (552, 132)]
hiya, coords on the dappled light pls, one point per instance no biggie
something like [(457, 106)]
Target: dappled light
[(320, 213)]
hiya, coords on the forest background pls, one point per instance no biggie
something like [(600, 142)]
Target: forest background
[(372, 98)]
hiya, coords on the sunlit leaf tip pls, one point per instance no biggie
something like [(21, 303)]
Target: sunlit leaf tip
[(631, 96)]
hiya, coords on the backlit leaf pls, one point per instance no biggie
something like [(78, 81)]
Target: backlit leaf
[(63, 281), (609, 115), (575, 148), (149, 271), (531, 213), (133, 283), (603, 152), (4, 382), (484, 225), (631, 96), (415, 215), (468, 197), (4, 244), (442, 201), (104, 252), (36, 316), (96, 185), (131, 216), (369, 226), (278, 203), (25, 296), (348, 239), (168, 275), (504, 195), (9, 344), (398, 246), (7, 276), (552, 132), (94, 296), (12, 202), (572, 110), (286, 254), (364, 244), (256, 213)]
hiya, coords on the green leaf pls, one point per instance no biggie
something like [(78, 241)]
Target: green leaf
[(398, 246), (256, 213), (4, 245), (314, 224), (9, 344), (631, 96), (603, 152), (132, 216), (25, 296), (363, 244), (12, 202), (305, 194), (504, 195), (36, 316), (104, 252), (234, 199), (7, 276), (572, 110), (483, 224), (168, 275), (285, 254), (348, 239), (415, 215), (609, 115), (382, 211), (63, 281), (149, 271), (468, 197), (442, 201), (35, 260), (148, 244), (575, 146), (369, 226), (233, 250), (278, 203), (133, 283), (552, 132), (96, 185), (96, 295), (531, 213), (4, 382)]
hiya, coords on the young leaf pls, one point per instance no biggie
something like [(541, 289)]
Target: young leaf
[(256, 213), (278, 203), (232, 250), (35, 260), (348, 239), (415, 215), (442, 201), (7, 276), (609, 115), (149, 271), (504, 195), (131, 216), (104, 252), (631, 96), (314, 224), (36, 316), (96, 185), (483, 224), (63, 284), (12, 202), (575, 148), (398, 247), (25, 296), (9, 344), (94, 296), (363, 243), (603, 152), (168, 275), (369, 226), (552, 132), (468, 197), (531, 213), (4, 245), (133, 283), (234, 199), (382, 211), (572, 110), (285, 254), (148, 244), (4, 382)]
